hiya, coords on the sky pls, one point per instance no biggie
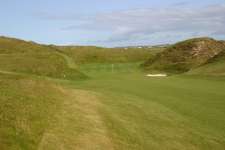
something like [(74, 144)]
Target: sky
[(111, 23)]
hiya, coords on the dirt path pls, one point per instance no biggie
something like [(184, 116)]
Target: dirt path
[(10, 72), (71, 64), (78, 125)]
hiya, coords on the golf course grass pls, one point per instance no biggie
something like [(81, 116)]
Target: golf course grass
[(177, 112)]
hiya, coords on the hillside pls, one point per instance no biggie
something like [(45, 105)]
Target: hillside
[(26, 109), (32, 58), (215, 66), (92, 54), (19, 56), (36, 114), (186, 55)]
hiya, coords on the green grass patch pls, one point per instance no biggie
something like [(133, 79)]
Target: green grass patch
[(32, 58), (178, 112)]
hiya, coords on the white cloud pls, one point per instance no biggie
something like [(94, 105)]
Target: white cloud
[(142, 24)]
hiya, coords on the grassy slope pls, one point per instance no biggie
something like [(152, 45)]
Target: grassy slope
[(25, 111), (41, 115), (91, 54), (215, 66), (112, 111), (31, 58), (185, 55)]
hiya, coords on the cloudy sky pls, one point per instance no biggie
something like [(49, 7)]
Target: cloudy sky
[(112, 22)]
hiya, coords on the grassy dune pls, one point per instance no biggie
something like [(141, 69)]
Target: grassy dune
[(41, 115), (215, 66), (186, 55), (92, 54), (26, 110), (31, 58)]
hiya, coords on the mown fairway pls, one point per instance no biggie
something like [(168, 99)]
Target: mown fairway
[(179, 112), (117, 107)]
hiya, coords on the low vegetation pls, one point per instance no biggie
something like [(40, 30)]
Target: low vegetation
[(185, 55), (26, 110), (31, 58), (92, 54), (215, 66)]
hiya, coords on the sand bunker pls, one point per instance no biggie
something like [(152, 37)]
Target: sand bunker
[(156, 75)]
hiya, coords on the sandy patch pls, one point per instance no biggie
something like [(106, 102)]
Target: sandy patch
[(156, 75)]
